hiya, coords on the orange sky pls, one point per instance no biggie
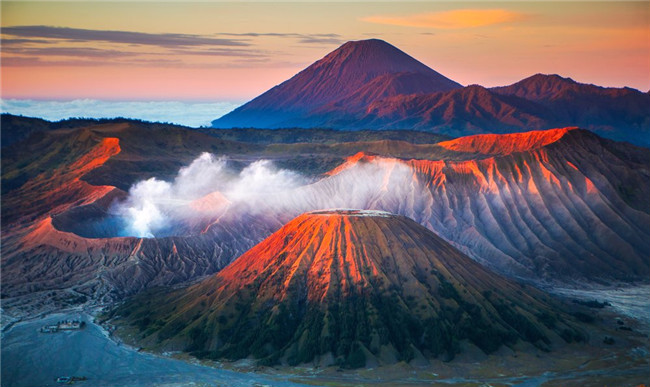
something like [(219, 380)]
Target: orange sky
[(210, 51)]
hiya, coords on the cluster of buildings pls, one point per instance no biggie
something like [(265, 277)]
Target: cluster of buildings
[(66, 325)]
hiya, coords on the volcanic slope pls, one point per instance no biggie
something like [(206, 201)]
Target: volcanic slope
[(570, 205), (555, 205), (351, 76), (352, 288), (45, 190), (559, 205)]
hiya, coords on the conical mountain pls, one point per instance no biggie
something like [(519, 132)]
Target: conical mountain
[(338, 76), (351, 288)]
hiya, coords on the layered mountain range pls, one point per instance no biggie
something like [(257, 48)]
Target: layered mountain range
[(411, 241), (370, 84), (352, 288), (561, 205)]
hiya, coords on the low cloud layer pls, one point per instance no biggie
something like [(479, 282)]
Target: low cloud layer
[(193, 114)]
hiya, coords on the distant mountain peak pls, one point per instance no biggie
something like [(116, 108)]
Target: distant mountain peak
[(339, 76), (540, 77), (363, 60), (366, 44), (540, 87)]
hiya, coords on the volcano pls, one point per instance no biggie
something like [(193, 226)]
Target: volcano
[(555, 206), (370, 84), (352, 288), (353, 75)]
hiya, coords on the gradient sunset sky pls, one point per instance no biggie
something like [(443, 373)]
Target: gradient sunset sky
[(218, 51)]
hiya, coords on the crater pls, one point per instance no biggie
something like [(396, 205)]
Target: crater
[(352, 212), (100, 220), (93, 220)]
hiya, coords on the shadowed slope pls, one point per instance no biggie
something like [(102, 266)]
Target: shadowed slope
[(552, 87), (619, 113), (36, 182), (472, 109)]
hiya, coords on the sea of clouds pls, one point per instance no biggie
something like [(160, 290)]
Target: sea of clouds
[(193, 114)]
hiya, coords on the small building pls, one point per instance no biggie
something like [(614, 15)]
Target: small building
[(67, 325), (71, 325), (50, 329)]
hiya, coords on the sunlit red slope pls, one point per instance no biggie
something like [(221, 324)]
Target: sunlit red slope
[(55, 183), (353, 288), (505, 144)]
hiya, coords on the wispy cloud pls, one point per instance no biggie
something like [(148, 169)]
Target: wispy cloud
[(63, 46), (78, 52), (39, 46), (279, 34), (320, 40), (50, 34), (228, 52), (454, 19), (33, 61), (15, 42), (302, 38), (125, 37)]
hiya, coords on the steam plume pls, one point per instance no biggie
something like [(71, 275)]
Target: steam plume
[(153, 206), (208, 188)]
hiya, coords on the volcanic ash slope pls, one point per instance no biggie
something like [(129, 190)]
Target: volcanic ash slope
[(352, 288)]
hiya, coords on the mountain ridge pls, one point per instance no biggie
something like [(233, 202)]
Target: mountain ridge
[(553, 86), (406, 94)]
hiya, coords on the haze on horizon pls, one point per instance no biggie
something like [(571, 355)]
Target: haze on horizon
[(213, 51)]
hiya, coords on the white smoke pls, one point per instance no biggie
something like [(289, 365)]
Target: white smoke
[(153, 206), (209, 187), (261, 177), (143, 207)]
